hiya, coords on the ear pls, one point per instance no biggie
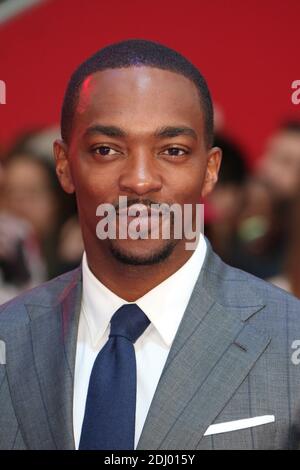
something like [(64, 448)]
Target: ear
[(62, 164), (212, 170)]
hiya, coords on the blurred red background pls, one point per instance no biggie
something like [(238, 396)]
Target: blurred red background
[(248, 51)]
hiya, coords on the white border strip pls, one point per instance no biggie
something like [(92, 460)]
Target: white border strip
[(11, 8)]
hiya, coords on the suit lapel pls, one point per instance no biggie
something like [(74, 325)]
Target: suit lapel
[(40, 367), (212, 354)]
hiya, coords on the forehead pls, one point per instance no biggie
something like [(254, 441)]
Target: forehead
[(138, 95)]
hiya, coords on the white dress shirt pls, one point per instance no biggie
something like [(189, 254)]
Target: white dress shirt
[(164, 306)]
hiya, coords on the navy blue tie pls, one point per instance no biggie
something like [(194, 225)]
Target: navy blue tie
[(109, 419)]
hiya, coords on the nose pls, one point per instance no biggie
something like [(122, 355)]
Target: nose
[(140, 175)]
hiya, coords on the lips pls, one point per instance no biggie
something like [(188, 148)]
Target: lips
[(138, 210)]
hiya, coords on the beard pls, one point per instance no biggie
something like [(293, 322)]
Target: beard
[(156, 256)]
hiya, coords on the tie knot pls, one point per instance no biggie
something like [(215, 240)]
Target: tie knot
[(129, 321)]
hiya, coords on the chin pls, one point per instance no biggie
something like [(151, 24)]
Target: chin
[(139, 253)]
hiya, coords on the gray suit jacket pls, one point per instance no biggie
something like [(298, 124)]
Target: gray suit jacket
[(231, 359)]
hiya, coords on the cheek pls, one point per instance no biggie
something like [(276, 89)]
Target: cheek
[(92, 188), (186, 185), (93, 183)]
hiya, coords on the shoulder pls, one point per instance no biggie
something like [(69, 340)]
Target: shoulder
[(48, 294), (233, 287)]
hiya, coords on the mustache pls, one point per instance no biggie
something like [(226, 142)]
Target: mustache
[(145, 202)]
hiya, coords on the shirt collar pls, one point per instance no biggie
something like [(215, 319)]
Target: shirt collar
[(164, 305), (98, 303)]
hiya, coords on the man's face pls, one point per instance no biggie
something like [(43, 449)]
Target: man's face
[(137, 132), (280, 165)]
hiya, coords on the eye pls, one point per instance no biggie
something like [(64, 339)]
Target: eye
[(104, 150), (175, 152)]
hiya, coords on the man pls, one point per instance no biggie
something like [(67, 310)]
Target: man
[(264, 224), (208, 362), (279, 165)]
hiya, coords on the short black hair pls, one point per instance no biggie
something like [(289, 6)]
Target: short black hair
[(234, 170), (290, 126), (135, 53)]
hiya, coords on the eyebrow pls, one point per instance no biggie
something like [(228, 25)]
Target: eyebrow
[(162, 132), (109, 131), (175, 131)]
